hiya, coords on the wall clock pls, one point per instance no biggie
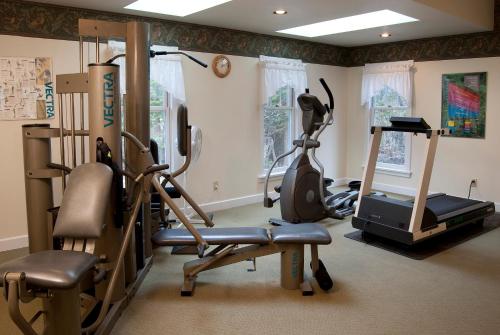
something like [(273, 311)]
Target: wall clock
[(221, 66)]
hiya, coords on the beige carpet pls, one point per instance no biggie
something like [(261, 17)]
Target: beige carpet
[(376, 292)]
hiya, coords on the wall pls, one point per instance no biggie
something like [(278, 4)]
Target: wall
[(229, 114), (227, 110), (457, 160)]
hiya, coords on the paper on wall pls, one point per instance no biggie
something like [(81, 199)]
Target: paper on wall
[(26, 88)]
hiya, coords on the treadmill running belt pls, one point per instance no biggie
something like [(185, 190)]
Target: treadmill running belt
[(446, 203)]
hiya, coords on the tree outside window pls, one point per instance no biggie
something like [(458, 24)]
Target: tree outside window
[(159, 120), (394, 153), (278, 128)]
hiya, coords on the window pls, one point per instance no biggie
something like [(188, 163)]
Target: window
[(278, 125), (282, 78), (387, 90), (394, 153), (159, 120), (166, 93)]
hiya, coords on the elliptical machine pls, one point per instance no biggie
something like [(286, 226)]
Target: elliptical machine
[(303, 193)]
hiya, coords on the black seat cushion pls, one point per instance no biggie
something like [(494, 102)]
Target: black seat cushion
[(51, 269), (303, 233), (171, 191), (213, 236)]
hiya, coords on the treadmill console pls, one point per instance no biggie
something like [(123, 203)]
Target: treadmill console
[(409, 123)]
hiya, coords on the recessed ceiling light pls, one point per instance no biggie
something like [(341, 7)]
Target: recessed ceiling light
[(385, 35), (280, 12), (351, 23), (174, 7)]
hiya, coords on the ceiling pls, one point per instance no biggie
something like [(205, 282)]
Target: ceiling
[(437, 17)]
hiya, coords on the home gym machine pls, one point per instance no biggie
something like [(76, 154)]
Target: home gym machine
[(303, 193), (413, 221), (104, 233)]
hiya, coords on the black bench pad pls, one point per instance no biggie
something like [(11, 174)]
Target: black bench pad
[(213, 236), (304, 233), (51, 269)]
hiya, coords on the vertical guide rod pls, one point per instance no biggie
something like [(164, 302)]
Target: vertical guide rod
[(97, 49), (73, 137), (82, 118), (61, 140)]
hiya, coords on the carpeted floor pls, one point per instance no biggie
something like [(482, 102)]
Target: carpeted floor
[(377, 292)]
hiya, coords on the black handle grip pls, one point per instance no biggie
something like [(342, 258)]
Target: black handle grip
[(163, 53), (197, 61), (327, 89), (155, 168)]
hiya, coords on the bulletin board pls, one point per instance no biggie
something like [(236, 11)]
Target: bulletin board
[(26, 88)]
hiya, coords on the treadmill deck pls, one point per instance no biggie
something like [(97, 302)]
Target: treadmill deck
[(453, 211)]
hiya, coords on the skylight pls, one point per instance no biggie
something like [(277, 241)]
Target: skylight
[(379, 18), (174, 7)]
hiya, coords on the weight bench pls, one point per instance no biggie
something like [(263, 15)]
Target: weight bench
[(288, 240)]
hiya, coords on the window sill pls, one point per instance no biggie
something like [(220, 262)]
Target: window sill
[(274, 176), (394, 172)]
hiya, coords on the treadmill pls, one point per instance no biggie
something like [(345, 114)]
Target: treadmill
[(413, 221)]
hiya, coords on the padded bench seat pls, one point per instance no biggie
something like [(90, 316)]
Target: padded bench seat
[(304, 233), (213, 236), (51, 269)]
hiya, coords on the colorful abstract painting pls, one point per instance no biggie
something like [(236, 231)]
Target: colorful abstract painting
[(464, 104)]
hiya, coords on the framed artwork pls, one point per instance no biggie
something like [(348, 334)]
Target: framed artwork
[(463, 104)]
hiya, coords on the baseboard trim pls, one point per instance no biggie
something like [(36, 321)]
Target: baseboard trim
[(340, 182), (234, 202), (15, 242), (401, 190), (251, 199)]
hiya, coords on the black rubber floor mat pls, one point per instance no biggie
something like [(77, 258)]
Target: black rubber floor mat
[(432, 246)]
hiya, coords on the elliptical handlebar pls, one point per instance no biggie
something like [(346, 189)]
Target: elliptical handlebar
[(327, 89), (269, 202)]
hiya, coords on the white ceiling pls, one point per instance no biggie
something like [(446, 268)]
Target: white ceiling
[(257, 16)]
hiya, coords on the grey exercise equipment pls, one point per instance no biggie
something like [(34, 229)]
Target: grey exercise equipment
[(303, 192), (288, 241), (184, 131), (184, 147), (101, 264), (426, 216)]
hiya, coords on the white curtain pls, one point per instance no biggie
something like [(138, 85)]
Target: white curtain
[(165, 70), (280, 72), (395, 75)]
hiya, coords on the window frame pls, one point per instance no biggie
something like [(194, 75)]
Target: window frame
[(387, 168), (166, 109), (292, 128)]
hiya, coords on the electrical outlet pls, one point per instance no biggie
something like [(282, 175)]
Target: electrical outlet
[(473, 182), (216, 186)]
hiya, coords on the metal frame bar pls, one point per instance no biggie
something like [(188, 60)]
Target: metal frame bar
[(417, 213), (371, 165)]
